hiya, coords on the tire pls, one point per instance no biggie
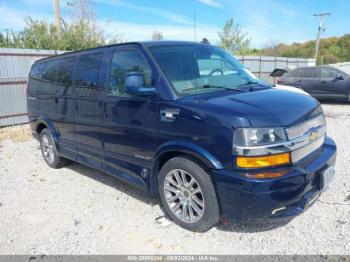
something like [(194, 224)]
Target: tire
[(192, 204), (49, 150)]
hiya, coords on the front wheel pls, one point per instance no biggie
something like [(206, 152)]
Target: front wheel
[(188, 195)]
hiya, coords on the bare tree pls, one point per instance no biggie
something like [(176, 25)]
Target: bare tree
[(156, 36)]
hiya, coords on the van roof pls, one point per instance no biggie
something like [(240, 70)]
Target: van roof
[(141, 43)]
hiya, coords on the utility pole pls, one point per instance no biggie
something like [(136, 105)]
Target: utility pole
[(194, 26), (56, 6), (317, 44)]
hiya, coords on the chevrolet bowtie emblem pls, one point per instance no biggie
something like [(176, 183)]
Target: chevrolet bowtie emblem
[(313, 136)]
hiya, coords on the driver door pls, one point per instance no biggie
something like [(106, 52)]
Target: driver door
[(129, 121)]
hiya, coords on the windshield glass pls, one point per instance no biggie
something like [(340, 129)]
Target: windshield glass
[(201, 68)]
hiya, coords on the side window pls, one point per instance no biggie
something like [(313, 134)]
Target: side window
[(37, 71), (65, 75), (311, 73), (87, 74), (50, 71), (43, 77), (327, 72), (122, 63), (295, 73)]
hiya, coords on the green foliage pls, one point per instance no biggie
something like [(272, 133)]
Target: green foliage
[(233, 39), (332, 50), (81, 32)]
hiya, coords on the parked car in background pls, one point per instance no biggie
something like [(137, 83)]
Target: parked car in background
[(321, 82), (278, 73), (186, 122)]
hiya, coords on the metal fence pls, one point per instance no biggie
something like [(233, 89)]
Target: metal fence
[(14, 67), (15, 64), (262, 66)]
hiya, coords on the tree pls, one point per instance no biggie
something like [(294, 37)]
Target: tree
[(332, 50), (82, 31), (233, 39), (156, 35)]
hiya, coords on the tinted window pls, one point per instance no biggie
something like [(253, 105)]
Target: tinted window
[(294, 73), (37, 71), (50, 71), (45, 70), (327, 72), (87, 74), (310, 73), (65, 75), (122, 63), (43, 77), (65, 71)]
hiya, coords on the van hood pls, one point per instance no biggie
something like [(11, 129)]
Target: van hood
[(264, 108)]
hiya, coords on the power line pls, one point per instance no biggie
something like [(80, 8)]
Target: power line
[(317, 44)]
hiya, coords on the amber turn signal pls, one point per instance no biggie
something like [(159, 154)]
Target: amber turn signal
[(263, 161)]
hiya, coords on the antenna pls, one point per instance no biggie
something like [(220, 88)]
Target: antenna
[(317, 44), (194, 26)]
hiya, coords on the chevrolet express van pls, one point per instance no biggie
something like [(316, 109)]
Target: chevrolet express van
[(186, 122)]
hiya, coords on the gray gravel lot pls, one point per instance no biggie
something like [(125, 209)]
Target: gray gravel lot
[(77, 210)]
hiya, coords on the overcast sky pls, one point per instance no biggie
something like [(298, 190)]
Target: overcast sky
[(265, 21)]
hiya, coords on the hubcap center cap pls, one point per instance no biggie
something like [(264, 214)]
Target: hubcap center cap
[(185, 194)]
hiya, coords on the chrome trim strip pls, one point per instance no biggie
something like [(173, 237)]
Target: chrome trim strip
[(302, 152)]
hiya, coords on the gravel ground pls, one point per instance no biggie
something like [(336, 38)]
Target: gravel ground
[(77, 210)]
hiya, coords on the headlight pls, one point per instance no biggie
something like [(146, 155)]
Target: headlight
[(248, 137)]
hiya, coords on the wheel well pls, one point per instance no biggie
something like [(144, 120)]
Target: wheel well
[(40, 128), (166, 157)]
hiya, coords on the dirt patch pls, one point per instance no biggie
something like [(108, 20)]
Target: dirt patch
[(16, 134)]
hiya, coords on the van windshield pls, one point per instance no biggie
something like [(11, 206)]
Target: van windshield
[(201, 68)]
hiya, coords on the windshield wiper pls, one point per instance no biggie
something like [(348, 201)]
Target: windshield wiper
[(225, 88), (214, 87), (250, 84)]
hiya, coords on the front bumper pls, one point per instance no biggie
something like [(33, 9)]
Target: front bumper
[(249, 200)]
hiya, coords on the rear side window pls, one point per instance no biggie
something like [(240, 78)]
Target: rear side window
[(43, 77), (124, 62), (87, 74), (65, 75), (310, 73), (294, 73)]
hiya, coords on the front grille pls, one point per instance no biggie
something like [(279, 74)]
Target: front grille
[(306, 126), (310, 135), (304, 151)]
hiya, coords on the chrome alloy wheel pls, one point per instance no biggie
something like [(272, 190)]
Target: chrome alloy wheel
[(184, 196), (47, 149)]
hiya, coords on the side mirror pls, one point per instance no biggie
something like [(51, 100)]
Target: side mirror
[(134, 85), (339, 77)]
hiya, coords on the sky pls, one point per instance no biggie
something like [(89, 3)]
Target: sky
[(266, 22)]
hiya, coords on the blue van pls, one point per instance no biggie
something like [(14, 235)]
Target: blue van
[(186, 122)]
